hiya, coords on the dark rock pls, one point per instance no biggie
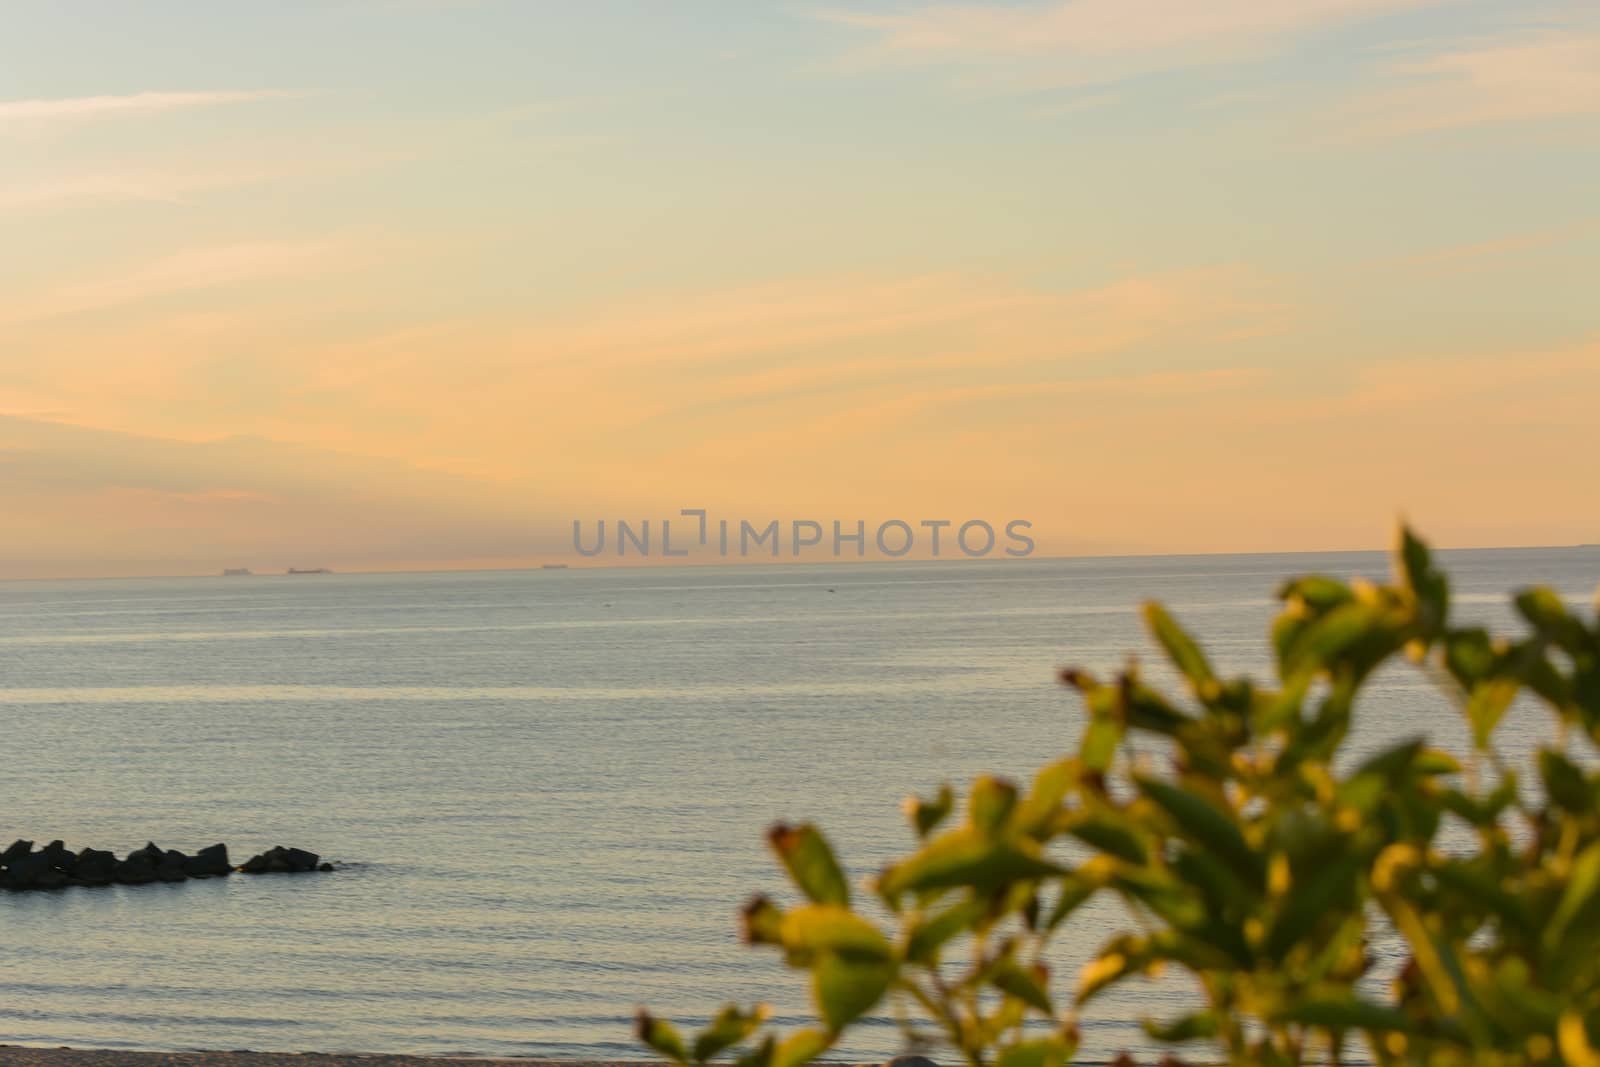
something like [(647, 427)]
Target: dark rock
[(300, 860), (280, 860), (910, 1061), (34, 871), (209, 861), (59, 858), (50, 878), (170, 867), (96, 867), (137, 869), (54, 866), (151, 851)]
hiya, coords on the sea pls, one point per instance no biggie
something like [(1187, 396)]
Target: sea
[(547, 790)]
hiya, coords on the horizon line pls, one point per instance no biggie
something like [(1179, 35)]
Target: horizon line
[(646, 564)]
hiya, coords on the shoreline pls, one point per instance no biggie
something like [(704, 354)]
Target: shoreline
[(27, 1056)]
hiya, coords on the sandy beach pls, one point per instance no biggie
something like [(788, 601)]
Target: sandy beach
[(13, 1056)]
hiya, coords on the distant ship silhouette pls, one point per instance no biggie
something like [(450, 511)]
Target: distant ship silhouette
[(309, 570), (237, 572)]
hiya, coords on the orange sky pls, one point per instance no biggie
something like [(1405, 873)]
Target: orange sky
[(1155, 283)]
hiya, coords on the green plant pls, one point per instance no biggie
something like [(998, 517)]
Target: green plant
[(1257, 861)]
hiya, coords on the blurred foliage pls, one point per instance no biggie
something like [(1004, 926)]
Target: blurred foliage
[(1265, 862)]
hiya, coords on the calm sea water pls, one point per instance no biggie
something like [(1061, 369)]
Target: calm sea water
[(549, 787)]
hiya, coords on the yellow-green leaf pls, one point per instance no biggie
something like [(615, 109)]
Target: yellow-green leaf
[(991, 804), (730, 1027), (661, 1036), (1182, 650), (846, 988), (1044, 1052), (827, 928), (800, 1048), (811, 863), (966, 858), (927, 814), (929, 934), (1031, 985)]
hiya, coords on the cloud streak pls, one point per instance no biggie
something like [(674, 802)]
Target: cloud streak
[(1086, 41), (205, 267), (197, 506), (22, 113), (1552, 74)]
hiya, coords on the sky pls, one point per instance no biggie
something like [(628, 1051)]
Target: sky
[(376, 284)]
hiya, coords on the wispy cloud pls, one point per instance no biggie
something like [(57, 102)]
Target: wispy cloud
[(168, 187), (1550, 74), (1543, 388), (181, 179), (191, 269), (21, 113), (1476, 254), (186, 506), (1084, 41)]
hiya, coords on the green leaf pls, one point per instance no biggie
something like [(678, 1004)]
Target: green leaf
[(1433, 955), (1099, 745), (1203, 823), (1182, 650), (1044, 1052), (1545, 609), (1288, 631), (846, 988), (762, 922), (1429, 587), (964, 858), (1344, 1013), (925, 815), (1564, 782), (1028, 984), (1311, 902), (1281, 710), (1433, 761), (1486, 706), (1145, 709), (1582, 886), (828, 928), (930, 934), (1392, 763), (1074, 892), (1174, 901), (1469, 656), (991, 804), (730, 1027), (760, 1056), (1343, 628), (1111, 837), (1477, 885), (1319, 593), (810, 862), (1036, 813), (1125, 955), (1481, 813), (661, 1036), (800, 1048), (1196, 1027)]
